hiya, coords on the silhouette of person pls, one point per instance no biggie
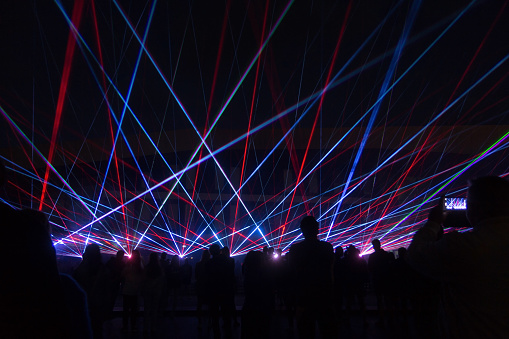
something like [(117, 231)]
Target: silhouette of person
[(276, 271), (36, 301), (132, 283), (311, 261), (230, 306), (257, 308), (152, 290), (186, 273), (265, 252), (115, 265), (472, 266), (201, 285), (424, 297), (173, 280), (339, 277), (380, 264), (217, 272), (402, 280), (356, 277), (92, 276), (165, 265)]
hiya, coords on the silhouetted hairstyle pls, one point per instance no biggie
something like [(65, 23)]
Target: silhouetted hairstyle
[(309, 226)]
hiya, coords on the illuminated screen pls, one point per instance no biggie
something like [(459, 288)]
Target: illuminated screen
[(455, 203)]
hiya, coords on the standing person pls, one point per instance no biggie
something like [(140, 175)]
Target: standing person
[(402, 276), (380, 264), (115, 266), (165, 266), (132, 281), (201, 285), (92, 276), (356, 277), (186, 273), (173, 280), (152, 290), (339, 281), (287, 289), (258, 303), (217, 272), (35, 300), (472, 266), (311, 262), (230, 306)]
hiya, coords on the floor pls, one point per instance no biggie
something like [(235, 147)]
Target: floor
[(183, 324)]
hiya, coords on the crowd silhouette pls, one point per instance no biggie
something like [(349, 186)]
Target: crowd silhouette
[(289, 282), (318, 288), (313, 284)]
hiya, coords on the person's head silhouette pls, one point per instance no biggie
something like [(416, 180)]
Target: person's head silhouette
[(120, 255), (401, 252), (225, 251), (376, 244), (487, 197), (339, 252), (92, 254), (352, 252), (205, 255), (309, 227), (215, 250)]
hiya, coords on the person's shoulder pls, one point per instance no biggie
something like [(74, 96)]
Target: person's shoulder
[(33, 214), (324, 248), (33, 217), (460, 242), (326, 244), (299, 247)]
